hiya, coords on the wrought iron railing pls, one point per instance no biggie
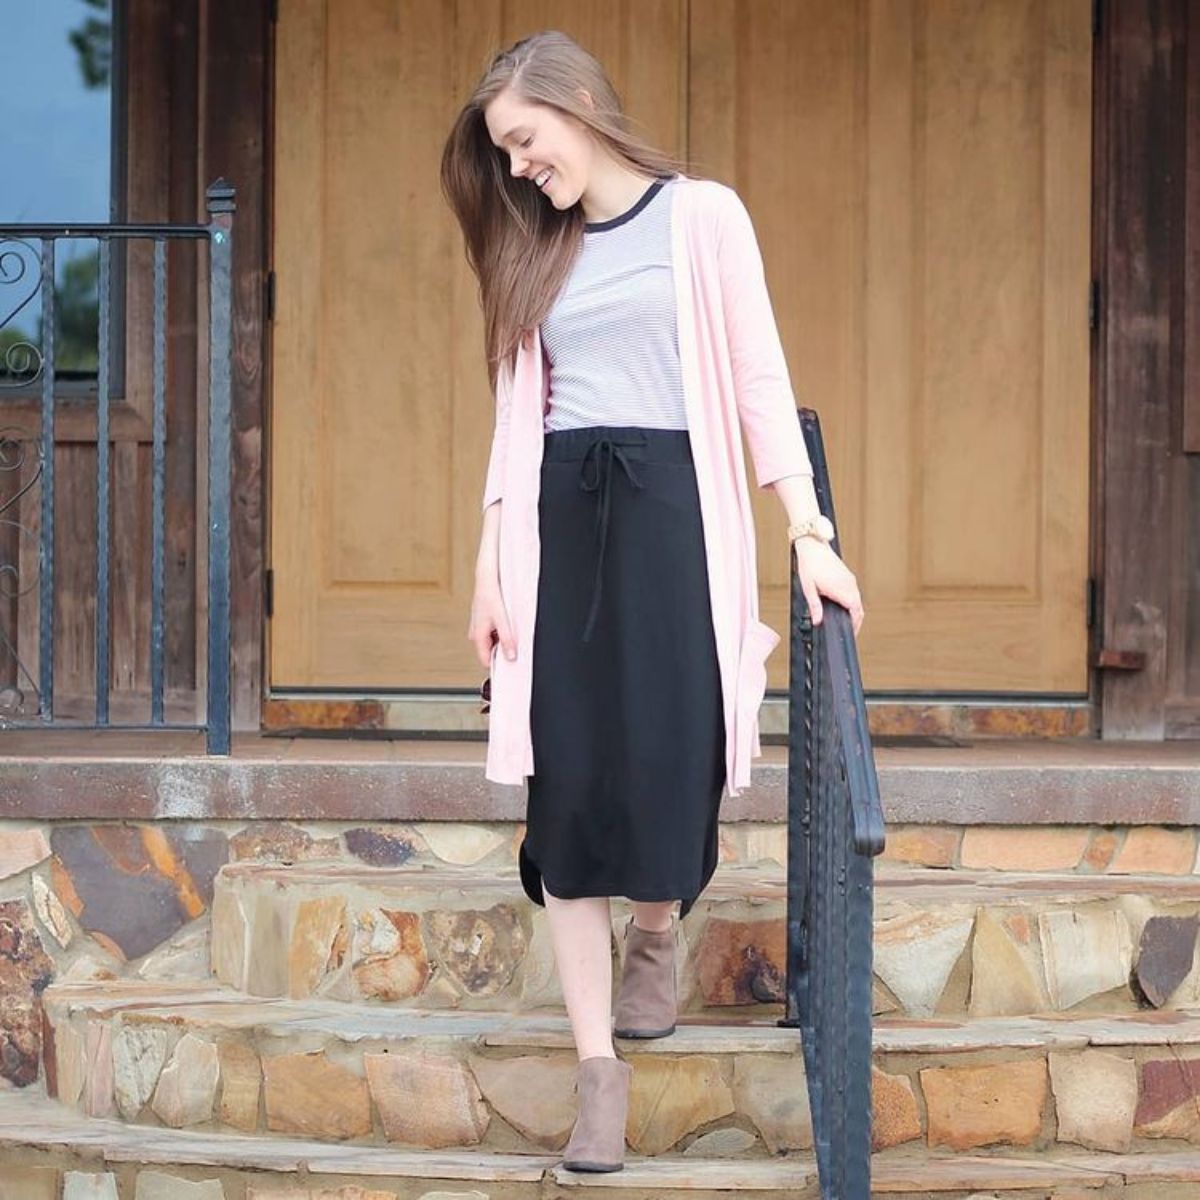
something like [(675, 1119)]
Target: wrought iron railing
[(835, 828), (30, 365)]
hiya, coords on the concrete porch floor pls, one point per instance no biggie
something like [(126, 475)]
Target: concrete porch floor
[(97, 774)]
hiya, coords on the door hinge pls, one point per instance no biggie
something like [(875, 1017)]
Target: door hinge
[(1119, 660), (269, 592), (1094, 304), (1089, 603), (270, 295), (1097, 17), (273, 11)]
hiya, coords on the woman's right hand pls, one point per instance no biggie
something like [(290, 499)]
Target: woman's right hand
[(489, 623)]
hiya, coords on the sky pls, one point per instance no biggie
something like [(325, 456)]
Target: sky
[(54, 132)]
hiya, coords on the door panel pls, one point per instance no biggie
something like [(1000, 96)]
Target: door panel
[(382, 416), (919, 176)]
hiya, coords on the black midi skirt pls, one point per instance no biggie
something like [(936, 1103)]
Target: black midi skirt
[(627, 719)]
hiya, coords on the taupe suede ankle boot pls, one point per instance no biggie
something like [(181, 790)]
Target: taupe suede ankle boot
[(598, 1140), (646, 1003)]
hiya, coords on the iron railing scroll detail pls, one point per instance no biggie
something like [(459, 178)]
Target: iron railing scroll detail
[(28, 368), (835, 829)]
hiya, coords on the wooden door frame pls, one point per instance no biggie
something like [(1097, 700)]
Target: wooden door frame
[(198, 110), (1145, 640), (235, 144)]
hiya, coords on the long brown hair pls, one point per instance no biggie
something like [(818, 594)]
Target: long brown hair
[(520, 247)]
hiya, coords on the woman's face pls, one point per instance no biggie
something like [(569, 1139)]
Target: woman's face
[(544, 146)]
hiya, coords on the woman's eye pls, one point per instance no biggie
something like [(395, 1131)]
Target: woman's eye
[(527, 141)]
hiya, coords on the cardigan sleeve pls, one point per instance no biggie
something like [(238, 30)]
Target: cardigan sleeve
[(493, 487), (762, 387)]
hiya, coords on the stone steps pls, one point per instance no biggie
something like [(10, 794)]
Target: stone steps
[(1019, 879), (42, 1145), (947, 942), (197, 1056)]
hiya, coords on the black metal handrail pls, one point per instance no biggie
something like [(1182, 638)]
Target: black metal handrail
[(835, 828), (218, 235)]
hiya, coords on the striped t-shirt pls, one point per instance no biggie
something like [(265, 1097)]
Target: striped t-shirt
[(610, 336)]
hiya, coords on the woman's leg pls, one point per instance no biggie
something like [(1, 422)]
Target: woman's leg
[(581, 931), (652, 916)]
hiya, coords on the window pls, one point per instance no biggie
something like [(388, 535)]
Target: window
[(61, 97)]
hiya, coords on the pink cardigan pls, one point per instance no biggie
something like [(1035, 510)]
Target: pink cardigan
[(733, 368)]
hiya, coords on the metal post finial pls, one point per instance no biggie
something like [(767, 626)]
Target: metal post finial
[(220, 196)]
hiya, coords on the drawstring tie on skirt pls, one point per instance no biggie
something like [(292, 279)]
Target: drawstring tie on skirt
[(600, 454)]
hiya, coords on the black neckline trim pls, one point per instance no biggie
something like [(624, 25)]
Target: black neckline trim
[(629, 213)]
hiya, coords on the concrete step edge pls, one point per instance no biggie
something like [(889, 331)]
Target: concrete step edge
[(224, 1010), (29, 1122), (731, 880)]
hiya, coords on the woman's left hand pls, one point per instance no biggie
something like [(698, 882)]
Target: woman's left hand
[(822, 573)]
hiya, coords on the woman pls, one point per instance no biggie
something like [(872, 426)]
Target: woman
[(629, 332)]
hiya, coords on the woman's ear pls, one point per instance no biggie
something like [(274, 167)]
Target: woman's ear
[(586, 96)]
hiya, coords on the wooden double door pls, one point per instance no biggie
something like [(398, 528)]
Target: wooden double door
[(919, 176)]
